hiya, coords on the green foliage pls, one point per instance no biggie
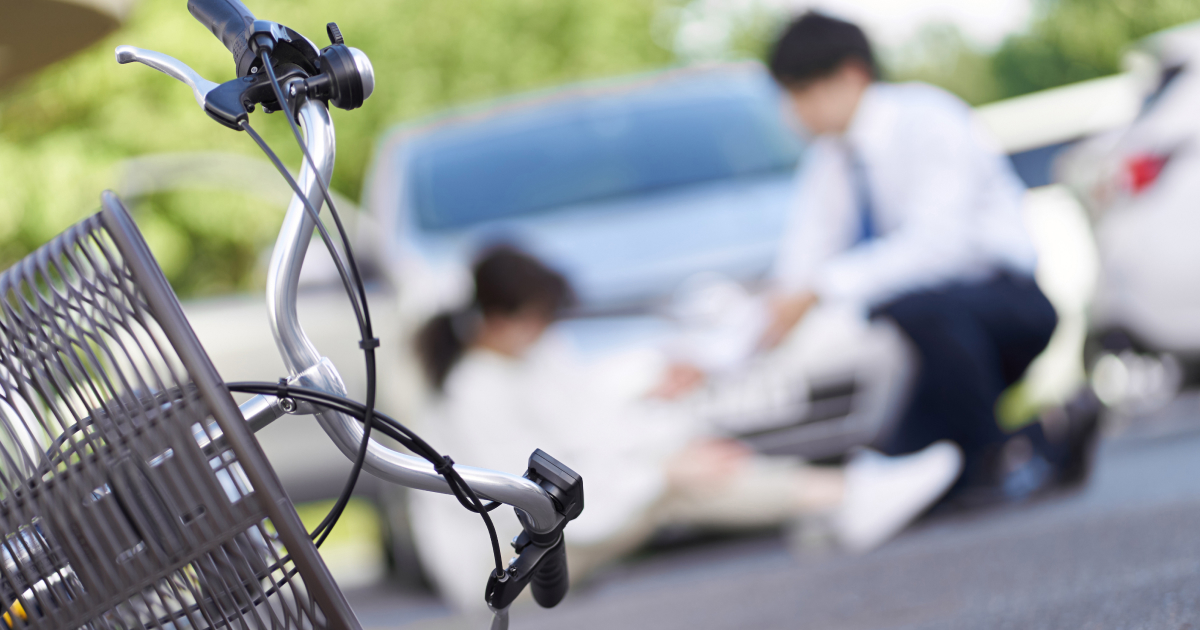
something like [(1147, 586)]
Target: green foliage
[(1068, 41), (942, 56), (1074, 40), (64, 133)]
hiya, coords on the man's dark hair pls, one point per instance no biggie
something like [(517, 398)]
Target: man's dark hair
[(813, 46)]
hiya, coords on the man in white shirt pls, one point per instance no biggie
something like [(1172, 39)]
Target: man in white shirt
[(907, 210)]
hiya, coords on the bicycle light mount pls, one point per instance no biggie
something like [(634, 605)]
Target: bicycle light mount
[(541, 559)]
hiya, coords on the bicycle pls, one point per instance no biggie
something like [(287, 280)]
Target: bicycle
[(132, 493)]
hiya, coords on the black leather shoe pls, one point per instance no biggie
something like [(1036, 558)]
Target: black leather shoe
[(1076, 427)]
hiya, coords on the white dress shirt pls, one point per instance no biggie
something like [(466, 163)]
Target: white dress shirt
[(945, 203)]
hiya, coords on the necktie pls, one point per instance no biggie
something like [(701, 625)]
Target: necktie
[(862, 199)]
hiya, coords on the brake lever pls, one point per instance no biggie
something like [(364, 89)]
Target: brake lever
[(228, 103), (170, 66)]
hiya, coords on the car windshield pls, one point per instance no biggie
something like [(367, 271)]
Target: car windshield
[(590, 149)]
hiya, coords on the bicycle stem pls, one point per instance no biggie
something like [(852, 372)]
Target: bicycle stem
[(534, 506)]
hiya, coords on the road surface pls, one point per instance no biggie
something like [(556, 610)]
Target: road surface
[(1124, 552)]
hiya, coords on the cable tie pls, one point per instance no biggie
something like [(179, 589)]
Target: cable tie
[(281, 390), (369, 344), (443, 468)]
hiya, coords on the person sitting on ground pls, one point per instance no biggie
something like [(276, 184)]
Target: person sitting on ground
[(504, 387), (906, 210)]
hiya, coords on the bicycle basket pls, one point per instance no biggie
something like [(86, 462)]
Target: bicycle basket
[(131, 493)]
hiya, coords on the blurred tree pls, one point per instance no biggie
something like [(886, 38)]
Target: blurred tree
[(717, 30), (941, 55), (1067, 41), (1074, 40), (63, 132)]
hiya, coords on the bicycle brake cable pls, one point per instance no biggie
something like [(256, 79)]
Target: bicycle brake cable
[(367, 341), (265, 55), (321, 531), (458, 487), (444, 465)]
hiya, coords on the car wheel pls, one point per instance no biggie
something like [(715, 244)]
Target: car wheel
[(1130, 378)]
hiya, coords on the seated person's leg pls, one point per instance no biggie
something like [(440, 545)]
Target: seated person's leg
[(718, 484)]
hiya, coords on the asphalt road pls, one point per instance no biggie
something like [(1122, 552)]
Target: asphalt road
[(1123, 552)]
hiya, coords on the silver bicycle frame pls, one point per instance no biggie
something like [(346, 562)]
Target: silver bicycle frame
[(306, 365)]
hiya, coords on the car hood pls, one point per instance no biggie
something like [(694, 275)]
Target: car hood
[(627, 252)]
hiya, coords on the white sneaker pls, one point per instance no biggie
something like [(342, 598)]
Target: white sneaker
[(884, 494)]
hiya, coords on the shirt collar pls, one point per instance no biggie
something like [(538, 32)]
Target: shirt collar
[(870, 117)]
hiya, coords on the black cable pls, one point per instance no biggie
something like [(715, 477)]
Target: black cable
[(390, 426), (365, 413), (337, 221), (325, 527), (463, 492), (321, 531), (367, 342), (394, 429), (357, 299), (321, 229)]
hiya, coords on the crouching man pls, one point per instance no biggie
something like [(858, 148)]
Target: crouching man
[(907, 210)]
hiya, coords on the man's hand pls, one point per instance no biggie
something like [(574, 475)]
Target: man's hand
[(786, 312), (677, 380)]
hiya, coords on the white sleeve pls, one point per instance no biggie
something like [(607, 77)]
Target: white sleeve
[(934, 241), (817, 226), (605, 437), (498, 417)]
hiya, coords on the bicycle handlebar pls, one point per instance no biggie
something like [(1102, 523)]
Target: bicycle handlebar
[(310, 369), (232, 23), (534, 505), (550, 494), (535, 508)]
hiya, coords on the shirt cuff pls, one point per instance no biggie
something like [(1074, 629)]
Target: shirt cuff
[(842, 284)]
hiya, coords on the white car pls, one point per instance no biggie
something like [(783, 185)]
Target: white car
[(1141, 184)]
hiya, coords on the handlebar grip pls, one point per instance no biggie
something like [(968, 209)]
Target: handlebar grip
[(550, 582), (232, 23)]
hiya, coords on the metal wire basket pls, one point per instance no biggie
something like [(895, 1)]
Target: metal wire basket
[(131, 493)]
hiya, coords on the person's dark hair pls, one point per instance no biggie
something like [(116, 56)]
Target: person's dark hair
[(813, 46), (507, 281)]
